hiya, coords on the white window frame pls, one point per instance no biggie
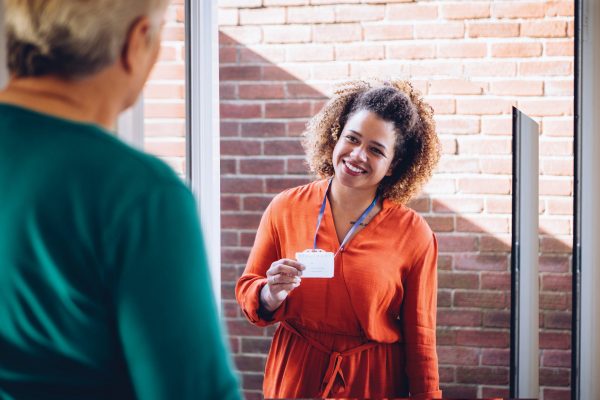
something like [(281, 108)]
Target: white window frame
[(589, 365)]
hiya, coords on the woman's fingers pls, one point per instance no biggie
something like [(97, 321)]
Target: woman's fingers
[(279, 279), (286, 266)]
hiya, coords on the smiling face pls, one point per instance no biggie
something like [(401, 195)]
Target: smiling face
[(363, 155)]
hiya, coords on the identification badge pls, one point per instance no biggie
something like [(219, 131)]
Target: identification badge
[(319, 264)]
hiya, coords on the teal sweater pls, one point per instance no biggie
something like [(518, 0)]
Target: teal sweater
[(104, 285)]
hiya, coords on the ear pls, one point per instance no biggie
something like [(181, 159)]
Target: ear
[(137, 45)]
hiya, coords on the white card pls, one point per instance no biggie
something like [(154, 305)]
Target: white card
[(319, 264)]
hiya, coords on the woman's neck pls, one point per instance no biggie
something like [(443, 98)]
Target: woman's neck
[(351, 199)]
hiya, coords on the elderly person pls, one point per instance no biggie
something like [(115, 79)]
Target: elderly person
[(363, 324), (104, 286)]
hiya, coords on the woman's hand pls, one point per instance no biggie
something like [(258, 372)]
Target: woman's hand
[(282, 277)]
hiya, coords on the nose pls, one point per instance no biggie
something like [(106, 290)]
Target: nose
[(359, 153)]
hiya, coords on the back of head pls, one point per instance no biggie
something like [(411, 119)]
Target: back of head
[(71, 39)]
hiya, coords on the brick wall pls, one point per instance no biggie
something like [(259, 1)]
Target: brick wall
[(473, 61)]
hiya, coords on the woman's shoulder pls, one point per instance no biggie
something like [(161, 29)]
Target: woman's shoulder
[(407, 219), (300, 196)]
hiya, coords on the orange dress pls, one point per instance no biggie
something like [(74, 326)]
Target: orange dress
[(369, 332)]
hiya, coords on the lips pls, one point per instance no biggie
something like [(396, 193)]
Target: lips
[(353, 169)]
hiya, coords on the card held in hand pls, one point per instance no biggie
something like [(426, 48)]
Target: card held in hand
[(319, 264)]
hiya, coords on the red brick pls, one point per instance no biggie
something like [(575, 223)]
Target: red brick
[(413, 12), (555, 226), (455, 244), (410, 51), (227, 16), (496, 165), (557, 167), (483, 106), (387, 31), (296, 166), (455, 165), (262, 54), (229, 239), (241, 185), (557, 320), (494, 392), (545, 68), (236, 35), (551, 186), (261, 166), (263, 129), (462, 50), (240, 221), (544, 29), (457, 205), (484, 185), (442, 105), (316, 14), (553, 263), (425, 69), (556, 147), (555, 377), (461, 125), (517, 88), (446, 375), (445, 30), (234, 256), (252, 381), (163, 91), (544, 107), (302, 91), (256, 203), (461, 391), (359, 51), (556, 283), (165, 148), (495, 281), (276, 185), (492, 29), (445, 337), (553, 301), (440, 223), (486, 68), (444, 298), (261, 16), (560, 8), (359, 13), (261, 91), (240, 3), (228, 166), (449, 145), (250, 363), (336, 70), (495, 357), (562, 126), (455, 86), (156, 128), (458, 10), (516, 50), (558, 206), (337, 33), (496, 319), (237, 110), (562, 48), (483, 224), (458, 355), (287, 109), (460, 318), (420, 204), (479, 262), (556, 394), (287, 34), (285, 2), (518, 9), (484, 145), (283, 147), (495, 244), (239, 73), (256, 345), (458, 280), (483, 338), (556, 244), (309, 52), (555, 340), (556, 358)]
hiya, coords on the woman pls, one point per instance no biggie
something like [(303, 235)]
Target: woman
[(369, 331), (104, 285)]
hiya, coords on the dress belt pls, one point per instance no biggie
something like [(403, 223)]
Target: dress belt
[(334, 368)]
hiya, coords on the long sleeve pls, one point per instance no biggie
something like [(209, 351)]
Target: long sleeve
[(265, 251), (419, 324), (173, 342)]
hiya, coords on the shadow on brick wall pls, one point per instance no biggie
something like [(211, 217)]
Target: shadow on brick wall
[(264, 108)]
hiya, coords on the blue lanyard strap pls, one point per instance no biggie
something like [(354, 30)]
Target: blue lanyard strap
[(354, 226)]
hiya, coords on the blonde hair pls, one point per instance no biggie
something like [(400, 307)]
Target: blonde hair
[(71, 38), (416, 148)]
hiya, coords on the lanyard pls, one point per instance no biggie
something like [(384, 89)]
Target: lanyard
[(354, 227)]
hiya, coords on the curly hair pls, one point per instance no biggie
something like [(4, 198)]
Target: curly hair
[(416, 148)]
